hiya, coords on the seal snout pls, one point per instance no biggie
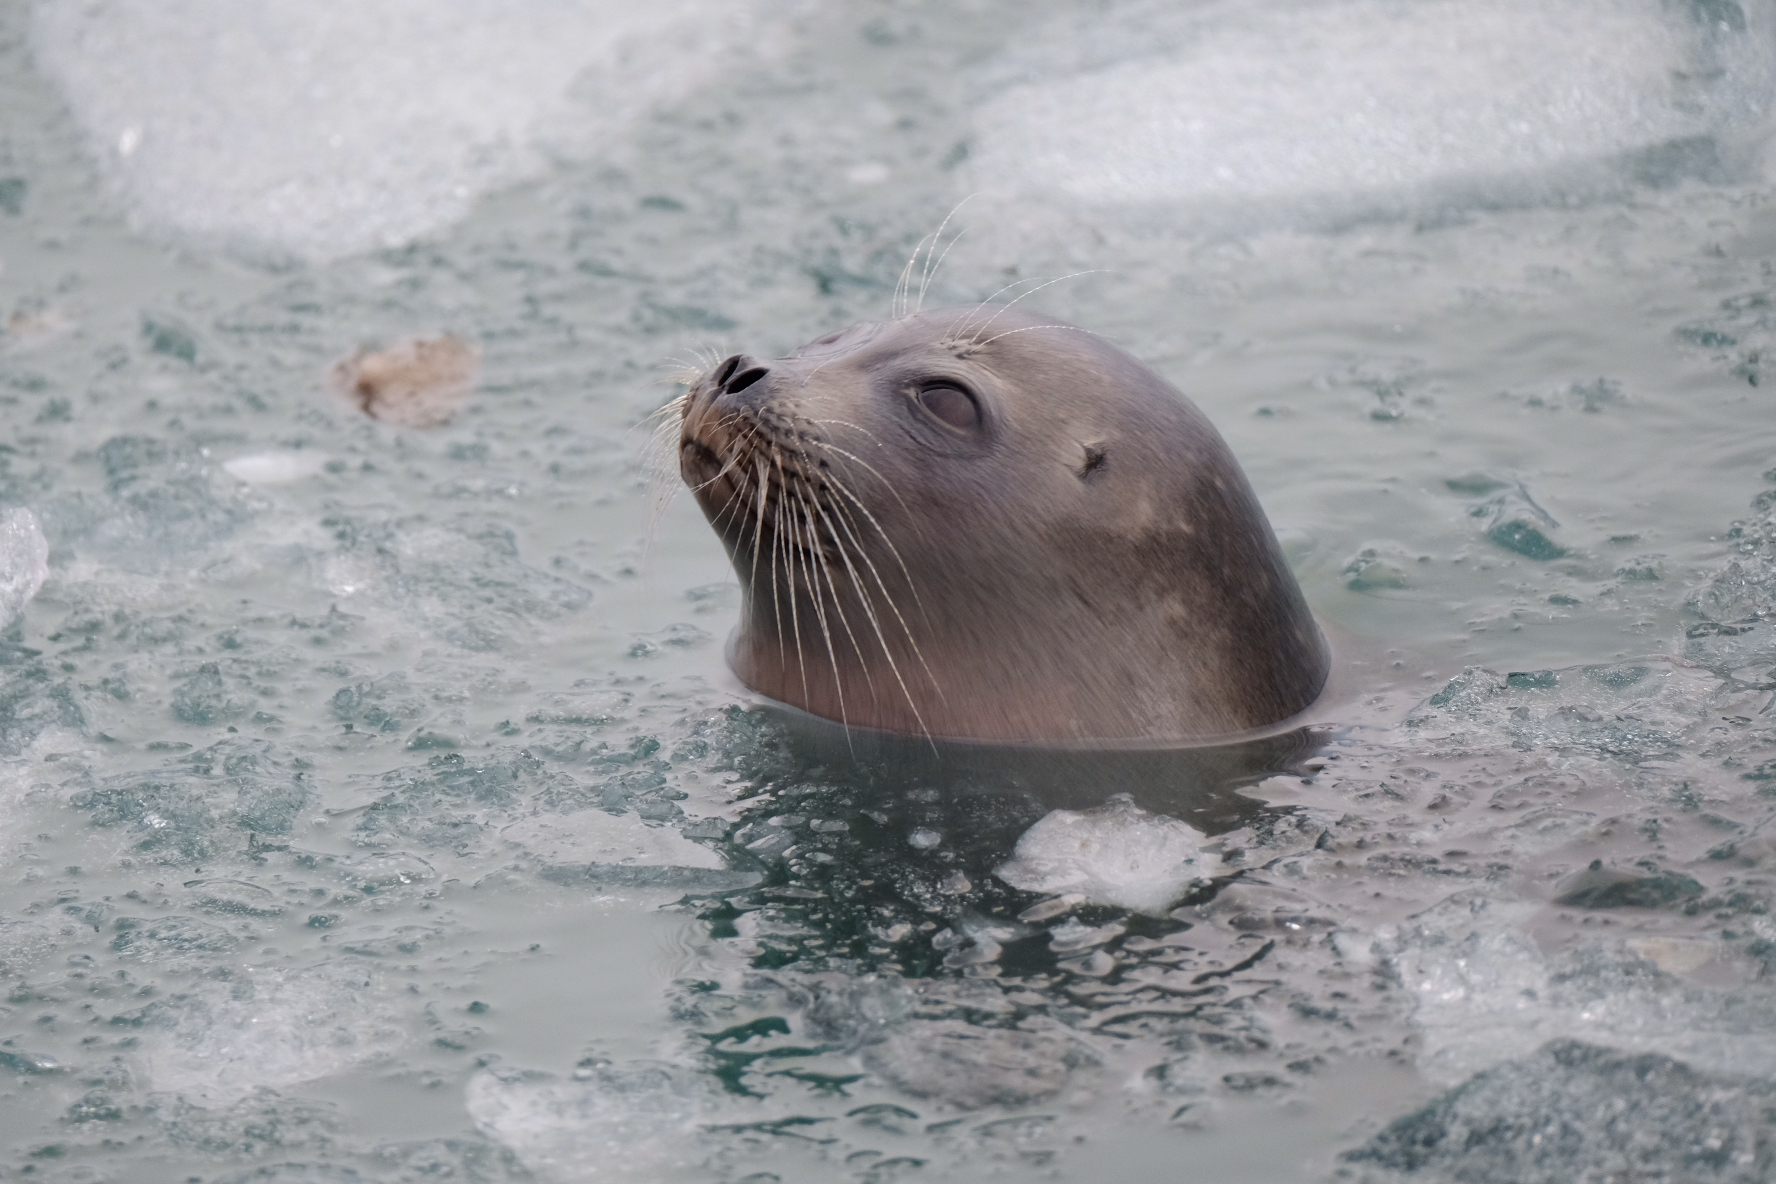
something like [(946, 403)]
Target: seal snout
[(720, 428)]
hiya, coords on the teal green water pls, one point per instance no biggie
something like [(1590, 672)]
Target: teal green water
[(399, 821)]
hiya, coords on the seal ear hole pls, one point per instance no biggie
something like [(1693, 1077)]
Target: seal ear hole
[(1094, 461), (953, 405)]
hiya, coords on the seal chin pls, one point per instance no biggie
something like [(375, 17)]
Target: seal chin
[(980, 524)]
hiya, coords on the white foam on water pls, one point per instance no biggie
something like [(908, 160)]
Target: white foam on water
[(324, 130), (1117, 854), (1285, 102), (24, 561)]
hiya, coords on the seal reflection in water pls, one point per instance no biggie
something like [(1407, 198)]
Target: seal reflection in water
[(981, 524)]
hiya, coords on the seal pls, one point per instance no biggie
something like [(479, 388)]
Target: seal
[(987, 525)]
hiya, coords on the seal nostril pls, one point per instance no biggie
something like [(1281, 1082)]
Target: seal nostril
[(727, 369), (740, 382)]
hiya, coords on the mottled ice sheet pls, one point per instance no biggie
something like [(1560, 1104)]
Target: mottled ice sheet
[(374, 804)]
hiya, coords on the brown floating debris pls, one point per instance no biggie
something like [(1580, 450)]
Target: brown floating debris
[(39, 324), (419, 382)]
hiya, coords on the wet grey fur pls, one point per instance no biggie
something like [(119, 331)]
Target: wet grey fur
[(1086, 564)]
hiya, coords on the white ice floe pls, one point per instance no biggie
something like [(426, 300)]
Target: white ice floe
[(274, 468), (24, 561), (1286, 102), (324, 130), (1117, 854)]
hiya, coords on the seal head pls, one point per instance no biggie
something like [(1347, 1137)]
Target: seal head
[(983, 524)]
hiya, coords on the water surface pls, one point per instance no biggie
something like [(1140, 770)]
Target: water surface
[(379, 808)]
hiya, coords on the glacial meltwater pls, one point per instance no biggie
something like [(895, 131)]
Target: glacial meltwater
[(375, 804)]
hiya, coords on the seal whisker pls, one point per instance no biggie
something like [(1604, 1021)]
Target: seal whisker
[(758, 545), (727, 467), (667, 422), (897, 306), (666, 417), (969, 315), (733, 460), (976, 332), (787, 541), (875, 439), (808, 557), (860, 462), (818, 514), (745, 446), (758, 528), (703, 359), (676, 403), (869, 607), (903, 287), (912, 585), (868, 603), (931, 268), (865, 511), (656, 461), (1031, 329), (683, 371)]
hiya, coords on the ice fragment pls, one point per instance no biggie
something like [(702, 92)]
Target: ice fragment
[(274, 468), (24, 561), (1117, 854), (1562, 1114)]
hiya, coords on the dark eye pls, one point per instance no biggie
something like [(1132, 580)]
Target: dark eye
[(952, 405)]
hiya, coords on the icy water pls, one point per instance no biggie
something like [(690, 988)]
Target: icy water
[(375, 804)]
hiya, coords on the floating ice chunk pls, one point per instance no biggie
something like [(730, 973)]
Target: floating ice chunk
[(870, 172), (326, 130), (274, 468), (630, 1122), (973, 1066), (1118, 854), (1484, 991), (1351, 97), (1556, 1116), (623, 840), (24, 561), (1598, 887), (1378, 567)]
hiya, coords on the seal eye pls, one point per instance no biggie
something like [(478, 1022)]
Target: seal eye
[(953, 405)]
